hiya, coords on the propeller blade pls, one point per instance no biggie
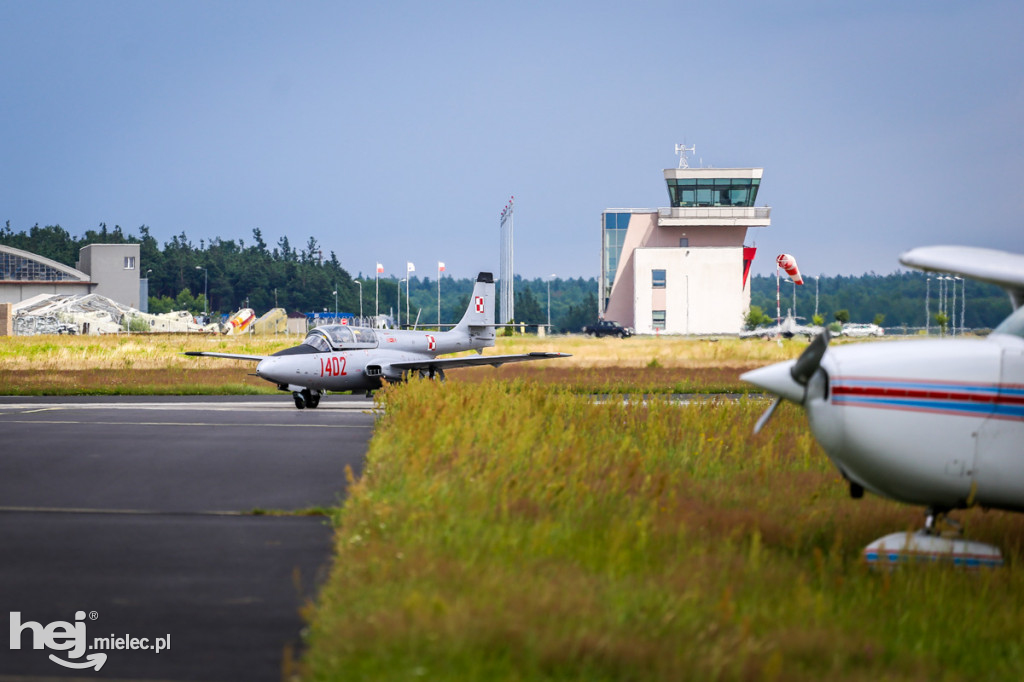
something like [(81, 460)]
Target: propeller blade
[(766, 416), (809, 361)]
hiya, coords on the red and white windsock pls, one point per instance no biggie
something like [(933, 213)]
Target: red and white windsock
[(788, 263)]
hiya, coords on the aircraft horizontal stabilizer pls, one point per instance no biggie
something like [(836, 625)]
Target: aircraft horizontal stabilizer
[(230, 356), (1001, 268), (474, 361)]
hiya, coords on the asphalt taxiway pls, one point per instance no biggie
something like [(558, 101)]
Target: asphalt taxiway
[(139, 513)]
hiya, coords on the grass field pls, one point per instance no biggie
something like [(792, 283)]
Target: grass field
[(508, 528), (512, 531), (68, 365)]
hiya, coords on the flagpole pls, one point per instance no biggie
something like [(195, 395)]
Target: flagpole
[(376, 296), (409, 269), (440, 269)]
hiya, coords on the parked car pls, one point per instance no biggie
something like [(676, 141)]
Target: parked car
[(862, 330), (607, 328)]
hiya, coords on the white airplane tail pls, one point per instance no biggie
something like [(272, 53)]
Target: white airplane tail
[(478, 321)]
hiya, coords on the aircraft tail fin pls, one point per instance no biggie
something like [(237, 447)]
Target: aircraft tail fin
[(478, 321)]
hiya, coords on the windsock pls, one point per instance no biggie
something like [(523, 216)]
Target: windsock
[(788, 263)]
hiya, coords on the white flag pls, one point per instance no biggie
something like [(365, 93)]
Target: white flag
[(380, 268), (409, 267), (440, 266)]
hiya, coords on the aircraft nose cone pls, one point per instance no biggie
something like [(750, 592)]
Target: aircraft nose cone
[(777, 379), (265, 369)]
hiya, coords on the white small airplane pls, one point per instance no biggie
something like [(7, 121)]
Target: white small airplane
[(936, 423), (788, 328), (339, 357)]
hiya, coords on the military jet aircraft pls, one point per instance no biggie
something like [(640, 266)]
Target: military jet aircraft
[(936, 423), (339, 357)]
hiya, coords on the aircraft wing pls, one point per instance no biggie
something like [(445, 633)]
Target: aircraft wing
[(474, 361), (1002, 268), (230, 356)]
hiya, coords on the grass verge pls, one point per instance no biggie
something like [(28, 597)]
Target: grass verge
[(513, 531)]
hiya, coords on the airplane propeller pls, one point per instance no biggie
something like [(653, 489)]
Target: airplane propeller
[(809, 361), (800, 372)]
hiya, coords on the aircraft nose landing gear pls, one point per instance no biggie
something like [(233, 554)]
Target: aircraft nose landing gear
[(305, 398)]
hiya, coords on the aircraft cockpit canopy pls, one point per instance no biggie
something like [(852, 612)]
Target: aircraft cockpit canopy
[(340, 337)]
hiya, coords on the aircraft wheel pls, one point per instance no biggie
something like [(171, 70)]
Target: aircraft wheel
[(313, 400), (300, 402)]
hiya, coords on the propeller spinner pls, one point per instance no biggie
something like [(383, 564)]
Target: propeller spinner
[(788, 380)]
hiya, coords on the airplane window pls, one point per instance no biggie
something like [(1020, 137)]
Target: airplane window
[(364, 335), (340, 334), (317, 340), (1013, 325)]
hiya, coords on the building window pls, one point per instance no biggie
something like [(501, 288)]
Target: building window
[(658, 279), (684, 241), (15, 268), (129, 262), (658, 320)]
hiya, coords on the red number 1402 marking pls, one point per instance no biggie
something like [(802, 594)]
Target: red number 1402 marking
[(333, 366)]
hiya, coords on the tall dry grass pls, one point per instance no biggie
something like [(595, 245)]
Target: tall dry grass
[(128, 352), (512, 531), (154, 363)]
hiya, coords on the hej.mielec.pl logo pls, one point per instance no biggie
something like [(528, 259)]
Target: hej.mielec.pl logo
[(70, 637)]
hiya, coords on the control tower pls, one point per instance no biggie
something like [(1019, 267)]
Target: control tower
[(683, 269)]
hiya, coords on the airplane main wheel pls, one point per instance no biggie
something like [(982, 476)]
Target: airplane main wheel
[(300, 402), (308, 398)]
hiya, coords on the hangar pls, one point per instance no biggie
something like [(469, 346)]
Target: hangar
[(111, 270)]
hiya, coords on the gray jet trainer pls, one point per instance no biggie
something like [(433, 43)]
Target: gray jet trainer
[(338, 357)]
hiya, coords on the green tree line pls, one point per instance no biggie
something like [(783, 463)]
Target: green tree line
[(242, 273), (897, 299), (230, 274)]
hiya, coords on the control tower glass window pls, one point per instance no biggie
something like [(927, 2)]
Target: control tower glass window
[(614, 226), (684, 192)]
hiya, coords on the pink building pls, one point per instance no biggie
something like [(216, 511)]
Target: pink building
[(683, 269)]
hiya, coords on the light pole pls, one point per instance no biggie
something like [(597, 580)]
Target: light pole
[(549, 300), (206, 281), (335, 292), (952, 314), (963, 302), (817, 278), (927, 304), (400, 301), (360, 301)]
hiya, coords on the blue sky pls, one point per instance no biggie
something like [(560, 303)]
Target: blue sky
[(396, 131)]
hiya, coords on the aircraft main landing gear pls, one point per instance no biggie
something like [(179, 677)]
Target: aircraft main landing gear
[(305, 398)]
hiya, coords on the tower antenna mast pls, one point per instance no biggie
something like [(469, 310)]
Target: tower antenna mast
[(681, 150)]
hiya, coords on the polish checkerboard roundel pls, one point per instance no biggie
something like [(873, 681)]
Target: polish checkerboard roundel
[(431, 342), (479, 303)]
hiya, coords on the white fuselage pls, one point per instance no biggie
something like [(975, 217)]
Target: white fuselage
[(936, 423)]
